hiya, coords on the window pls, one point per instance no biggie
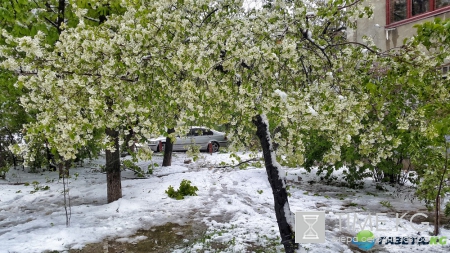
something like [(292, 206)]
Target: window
[(194, 132), (199, 132), (207, 132), (405, 10)]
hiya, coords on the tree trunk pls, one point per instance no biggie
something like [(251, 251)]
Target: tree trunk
[(61, 12), (113, 180), (51, 165), (168, 149), (11, 142), (285, 220), (64, 168), (437, 214), (438, 195), (14, 161)]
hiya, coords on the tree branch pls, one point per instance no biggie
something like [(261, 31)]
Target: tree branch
[(209, 15), (92, 19), (350, 5), (51, 22), (326, 27), (232, 166), (354, 43), (322, 49), (122, 78)]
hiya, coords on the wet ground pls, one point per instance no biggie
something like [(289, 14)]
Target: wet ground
[(159, 239)]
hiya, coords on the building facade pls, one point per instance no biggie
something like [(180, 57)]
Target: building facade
[(394, 20)]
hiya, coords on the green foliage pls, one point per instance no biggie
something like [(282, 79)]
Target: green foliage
[(3, 170), (38, 187), (354, 176), (151, 167), (185, 189), (193, 151), (447, 209), (318, 145), (258, 164), (235, 156), (386, 204), (431, 165), (20, 19), (129, 164)]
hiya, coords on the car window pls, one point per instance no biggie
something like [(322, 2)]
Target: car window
[(199, 132), (207, 132), (194, 132)]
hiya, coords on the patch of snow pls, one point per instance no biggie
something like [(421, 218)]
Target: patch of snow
[(237, 202), (312, 111), (282, 95)]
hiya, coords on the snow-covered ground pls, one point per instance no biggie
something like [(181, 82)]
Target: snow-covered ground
[(234, 204)]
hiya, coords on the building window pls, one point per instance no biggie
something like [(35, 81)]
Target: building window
[(420, 6), (442, 3), (399, 10)]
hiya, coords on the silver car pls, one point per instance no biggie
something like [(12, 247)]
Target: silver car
[(200, 136)]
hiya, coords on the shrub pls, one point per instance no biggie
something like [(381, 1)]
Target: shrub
[(3, 171), (186, 189)]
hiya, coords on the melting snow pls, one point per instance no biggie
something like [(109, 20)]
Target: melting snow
[(239, 200)]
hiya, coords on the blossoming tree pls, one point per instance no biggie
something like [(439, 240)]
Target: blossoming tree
[(80, 86), (273, 72), (282, 66)]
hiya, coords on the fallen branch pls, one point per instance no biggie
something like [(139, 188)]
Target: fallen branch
[(232, 166)]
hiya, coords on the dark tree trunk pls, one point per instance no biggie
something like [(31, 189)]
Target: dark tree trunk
[(168, 149), (279, 191), (437, 210), (61, 10), (437, 215), (14, 161), (11, 142), (51, 165), (113, 180)]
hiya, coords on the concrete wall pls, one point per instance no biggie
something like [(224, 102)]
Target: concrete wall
[(375, 28)]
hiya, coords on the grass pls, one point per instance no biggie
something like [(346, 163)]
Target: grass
[(386, 203)]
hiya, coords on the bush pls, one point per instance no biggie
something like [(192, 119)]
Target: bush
[(3, 171), (186, 189)]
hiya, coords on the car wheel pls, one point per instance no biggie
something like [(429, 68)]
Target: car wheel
[(215, 147)]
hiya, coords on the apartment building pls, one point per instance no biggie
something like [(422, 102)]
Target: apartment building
[(394, 20)]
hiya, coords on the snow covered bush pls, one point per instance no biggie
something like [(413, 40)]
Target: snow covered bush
[(185, 189)]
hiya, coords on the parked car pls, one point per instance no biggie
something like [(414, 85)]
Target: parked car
[(200, 136)]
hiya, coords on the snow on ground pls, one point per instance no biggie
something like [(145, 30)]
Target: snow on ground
[(237, 202)]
